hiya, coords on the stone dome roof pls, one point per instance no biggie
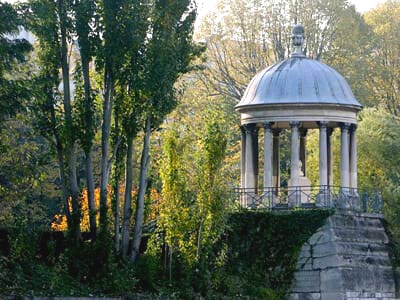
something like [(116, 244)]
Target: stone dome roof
[(298, 80)]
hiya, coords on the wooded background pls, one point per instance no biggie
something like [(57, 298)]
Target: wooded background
[(119, 121)]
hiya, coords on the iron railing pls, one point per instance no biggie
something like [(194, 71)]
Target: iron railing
[(362, 200)]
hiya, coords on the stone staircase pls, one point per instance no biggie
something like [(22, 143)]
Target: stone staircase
[(347, 258)]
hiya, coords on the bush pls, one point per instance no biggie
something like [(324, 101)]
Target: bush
[(255, 257)]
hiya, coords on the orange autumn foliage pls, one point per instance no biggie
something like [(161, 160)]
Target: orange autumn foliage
[(60, 220), (152, 211)]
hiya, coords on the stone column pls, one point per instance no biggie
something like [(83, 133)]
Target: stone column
[(243, 157), (276, 165), (330, 157), (344, 156), (293, 191), (250, 180), (323, 155), (303, 150), (353, 156), (294, 154), (323, 196), (255, 157), (268, 145)]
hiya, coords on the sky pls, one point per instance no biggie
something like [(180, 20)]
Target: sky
[(206, 5), (361, 5)]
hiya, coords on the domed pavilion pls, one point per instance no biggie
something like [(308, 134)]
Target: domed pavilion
[(298, 94)]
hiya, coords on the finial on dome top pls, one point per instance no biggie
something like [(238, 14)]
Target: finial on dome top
[(298, 40)]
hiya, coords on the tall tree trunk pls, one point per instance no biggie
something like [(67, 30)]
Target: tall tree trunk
[(117, 212), (117, 179), (76, 207), (70, 145), (144, 163), (88, 147), (105, 148), (91, 200), (126, 221), (61, 167), (63, 184)]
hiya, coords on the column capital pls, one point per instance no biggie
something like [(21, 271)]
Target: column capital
[(330, 130), (322, 124), (294, 124), (303, 132), (345, 126), (268, 125), (353, 127), (249, 127), (276, 131)]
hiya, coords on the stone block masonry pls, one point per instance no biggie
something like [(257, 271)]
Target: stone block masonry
[(346, 259)]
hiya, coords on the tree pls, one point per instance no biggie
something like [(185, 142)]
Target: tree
[(131, 96), (193, 181), (384, 80), (13, 52), (86, 23), (65, 32), (110, 57), (211, 191), (245, 37), (46, 97), (170, 53)]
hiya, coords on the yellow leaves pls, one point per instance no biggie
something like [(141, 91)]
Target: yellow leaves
[(156, 201), (60, 220), (59, 223)]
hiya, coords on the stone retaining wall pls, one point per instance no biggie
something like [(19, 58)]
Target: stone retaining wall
[(346, 259)]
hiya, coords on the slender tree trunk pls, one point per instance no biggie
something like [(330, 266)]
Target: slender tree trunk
[(61, 166), (170, 265), (76, 208), (199, 233), (70, 145), (88, 147), (144, 163), (105, 148), (63, 184), (64, 188), (91, 200), (126, 221), (117, 179), (117, 212)]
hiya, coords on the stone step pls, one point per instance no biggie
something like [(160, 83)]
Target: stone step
[(304, 296), (349, 221), (343, 248), (357, 295), (349, 235), (306, 282), (350, 261), (362, 235), (357, 278), (342, 261)]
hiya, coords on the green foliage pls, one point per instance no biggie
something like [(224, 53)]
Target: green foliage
[(24, 190), (170, 53), (74, 272), (254, 257), (379, 144), (198, 191), (267, 257), (175, 222), (382, 78), (13, 52)]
